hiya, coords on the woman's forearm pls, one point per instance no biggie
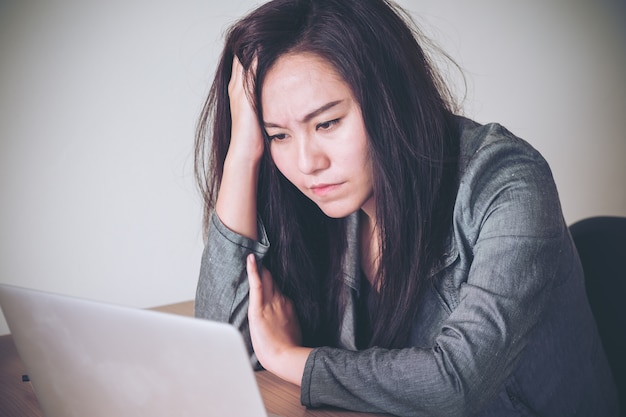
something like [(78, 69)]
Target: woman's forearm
[(236, 201)]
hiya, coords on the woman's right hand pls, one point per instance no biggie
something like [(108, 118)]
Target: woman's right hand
[(236, 200), (246, 140)]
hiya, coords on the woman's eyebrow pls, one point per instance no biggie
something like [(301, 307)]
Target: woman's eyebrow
[(311, 115)]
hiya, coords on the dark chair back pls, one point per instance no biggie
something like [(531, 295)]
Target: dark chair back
[(601, 245)]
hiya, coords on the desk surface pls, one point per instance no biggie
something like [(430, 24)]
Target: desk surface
[(18, 400)]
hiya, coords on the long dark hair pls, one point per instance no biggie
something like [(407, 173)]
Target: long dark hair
[(408, 116)]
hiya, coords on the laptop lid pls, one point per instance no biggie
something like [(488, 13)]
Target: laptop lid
[(86, 358)]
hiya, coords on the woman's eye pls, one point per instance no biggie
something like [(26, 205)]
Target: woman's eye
[(279, 136), (327, 125)]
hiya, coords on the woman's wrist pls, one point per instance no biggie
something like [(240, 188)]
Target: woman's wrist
[(289, 364), (242, 160)]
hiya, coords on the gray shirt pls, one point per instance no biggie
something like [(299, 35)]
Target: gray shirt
[(505, 329)]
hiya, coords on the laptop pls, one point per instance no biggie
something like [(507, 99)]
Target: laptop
[(87, 358)]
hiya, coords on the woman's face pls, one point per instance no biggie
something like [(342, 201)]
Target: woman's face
[(317, 135)]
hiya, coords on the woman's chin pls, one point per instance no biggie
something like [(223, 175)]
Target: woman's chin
[(336, 211)]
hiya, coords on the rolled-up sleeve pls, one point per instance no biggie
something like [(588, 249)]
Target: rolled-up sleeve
[(508, 221), (222, 291)]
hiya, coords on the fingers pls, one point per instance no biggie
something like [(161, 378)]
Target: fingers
[(254, 64), (254, 282), (236, 75), (247, 139), (261, 285), (238, 68)]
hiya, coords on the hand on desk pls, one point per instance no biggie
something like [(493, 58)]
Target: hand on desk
[(274, 327)]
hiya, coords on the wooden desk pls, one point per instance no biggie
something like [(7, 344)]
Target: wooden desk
[(18, 400)]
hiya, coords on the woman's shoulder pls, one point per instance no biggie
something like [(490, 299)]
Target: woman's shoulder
[(478, 140), (491, 151), (497, 172)]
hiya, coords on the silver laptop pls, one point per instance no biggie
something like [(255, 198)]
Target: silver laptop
[(86, 358)]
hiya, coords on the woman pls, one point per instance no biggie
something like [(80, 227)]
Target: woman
[(373, 247)]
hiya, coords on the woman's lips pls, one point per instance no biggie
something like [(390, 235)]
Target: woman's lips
[(322, 190)]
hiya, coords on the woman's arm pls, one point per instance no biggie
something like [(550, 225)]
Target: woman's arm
[(236, 200), (222, 291), (511, 202), (233, 233)]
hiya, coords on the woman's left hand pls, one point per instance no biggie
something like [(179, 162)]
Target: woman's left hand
[(274, 327)]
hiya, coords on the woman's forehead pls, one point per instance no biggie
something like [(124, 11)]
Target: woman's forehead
[(297, 85)]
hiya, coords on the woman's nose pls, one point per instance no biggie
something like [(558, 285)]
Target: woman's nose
[(311, 156)]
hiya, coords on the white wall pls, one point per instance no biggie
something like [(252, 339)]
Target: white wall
[(98, 103), (552, 71)]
